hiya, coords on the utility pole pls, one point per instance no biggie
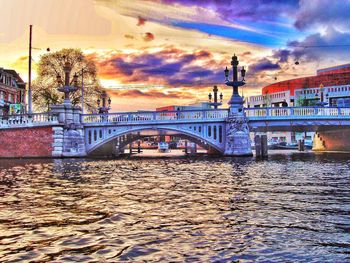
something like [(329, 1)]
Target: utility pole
[(82, 91), (30, 72)]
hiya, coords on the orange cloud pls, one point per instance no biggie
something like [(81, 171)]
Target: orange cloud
[(151, 94), (129, 36)]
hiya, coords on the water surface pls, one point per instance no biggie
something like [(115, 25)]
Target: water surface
[(293, 207)]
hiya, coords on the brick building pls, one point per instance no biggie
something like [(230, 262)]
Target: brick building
[(329, 87), (12, 92)]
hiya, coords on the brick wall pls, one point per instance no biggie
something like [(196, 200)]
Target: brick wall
[(26, 142)]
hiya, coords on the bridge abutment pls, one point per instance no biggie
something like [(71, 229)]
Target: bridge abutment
[(68, 138), (238, 141), (332, 140)]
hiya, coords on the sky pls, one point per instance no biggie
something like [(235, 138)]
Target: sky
[(153, 53)]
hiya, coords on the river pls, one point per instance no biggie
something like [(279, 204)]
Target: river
[(293, 207)]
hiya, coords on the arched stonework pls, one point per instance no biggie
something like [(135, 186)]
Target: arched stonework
[(97, 136)]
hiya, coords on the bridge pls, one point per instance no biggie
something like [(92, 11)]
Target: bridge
[(66, 132), (211, 129)]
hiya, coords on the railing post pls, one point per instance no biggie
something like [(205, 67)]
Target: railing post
[(339, 111), (291, 113)]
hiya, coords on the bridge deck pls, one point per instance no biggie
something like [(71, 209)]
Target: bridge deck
[(254, 115)]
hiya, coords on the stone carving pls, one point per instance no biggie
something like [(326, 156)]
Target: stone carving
[(237, 136), (237, 124)]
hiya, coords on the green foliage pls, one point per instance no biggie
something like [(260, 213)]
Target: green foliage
[(50, 65), (303, 102)]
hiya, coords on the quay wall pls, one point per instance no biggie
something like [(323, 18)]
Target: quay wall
[(26, 142), (332, 140)]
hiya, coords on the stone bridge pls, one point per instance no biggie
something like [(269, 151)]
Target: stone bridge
[(69, 133)]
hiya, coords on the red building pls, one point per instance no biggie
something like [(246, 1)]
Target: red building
[(333, 76), (330, 86), (12, 92)]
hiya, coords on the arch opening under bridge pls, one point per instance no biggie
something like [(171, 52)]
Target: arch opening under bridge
[(207, 136)]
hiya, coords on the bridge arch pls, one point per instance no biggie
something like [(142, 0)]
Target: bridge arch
[(98, 137)]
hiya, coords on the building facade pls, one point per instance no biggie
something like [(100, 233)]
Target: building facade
[(12, 93), (330, 87)]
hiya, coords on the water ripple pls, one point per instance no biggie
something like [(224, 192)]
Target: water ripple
[(293, 207)]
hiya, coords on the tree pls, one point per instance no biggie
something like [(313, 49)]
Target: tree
[(45, 86)]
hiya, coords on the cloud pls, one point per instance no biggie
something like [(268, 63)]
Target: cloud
[(323, 12), (262, 65), (148, 37), (141, 21), (129, 36), (252, 9), (150, 94), (317, 47), (282, 55), (170, 66)]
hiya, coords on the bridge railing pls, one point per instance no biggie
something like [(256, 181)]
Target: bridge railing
[(297, 112), (155, 116), (20, 120)]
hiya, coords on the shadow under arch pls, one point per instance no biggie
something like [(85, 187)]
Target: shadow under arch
[(106, 146)]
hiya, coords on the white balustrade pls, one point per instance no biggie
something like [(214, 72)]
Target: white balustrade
[(344, 111), (155, 116), (24, 120), (296, 112)]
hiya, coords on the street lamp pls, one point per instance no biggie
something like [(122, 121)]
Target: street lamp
[(321, 103), (104, 108), (67, 88), (236, 101), (215, 103)]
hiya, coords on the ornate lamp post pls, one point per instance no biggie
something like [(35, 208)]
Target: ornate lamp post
[(104, 108), (67, 88), (215, 103), (236, 101), (321, 103)]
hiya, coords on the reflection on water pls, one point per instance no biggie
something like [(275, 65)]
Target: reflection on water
[(293, 207)]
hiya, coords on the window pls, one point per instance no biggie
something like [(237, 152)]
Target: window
[(220, 134), (89, 136), (2, 95)]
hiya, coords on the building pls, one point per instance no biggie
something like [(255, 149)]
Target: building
[(12, 92), (329, 87)]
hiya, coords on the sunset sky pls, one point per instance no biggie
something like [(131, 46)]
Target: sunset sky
[(162, 52)]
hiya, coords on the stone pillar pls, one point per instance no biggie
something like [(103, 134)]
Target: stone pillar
[(57, 144), (69, 113), (60, 111), (69, 139), (257, 142), (237, 136), (301, 145), (264, 146), (261, 148)]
